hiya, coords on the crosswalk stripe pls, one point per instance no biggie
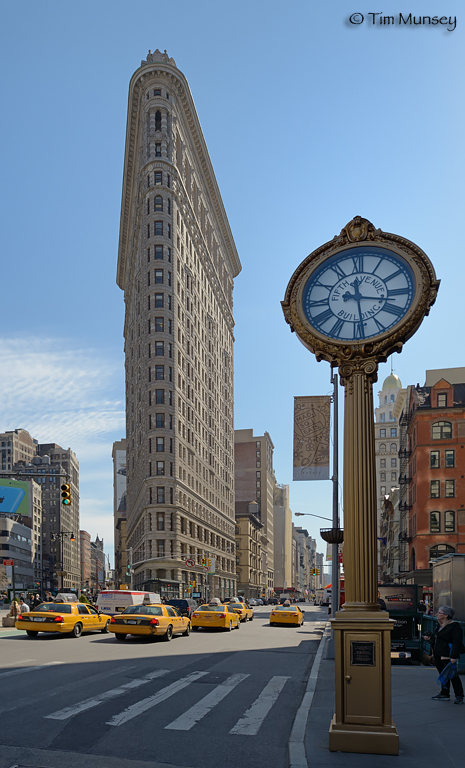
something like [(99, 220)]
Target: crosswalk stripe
[(21, 671), (81, 706), (142, 706), (250, 723), (205, 705)]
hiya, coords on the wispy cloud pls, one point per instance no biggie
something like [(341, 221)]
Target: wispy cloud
[(60, 394)]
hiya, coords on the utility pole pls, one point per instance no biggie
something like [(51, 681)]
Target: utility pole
[(335, 479)]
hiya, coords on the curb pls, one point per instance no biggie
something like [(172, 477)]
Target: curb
[(296, 746)]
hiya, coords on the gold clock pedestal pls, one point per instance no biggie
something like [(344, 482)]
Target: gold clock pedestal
[(362, 633), (343, 301)]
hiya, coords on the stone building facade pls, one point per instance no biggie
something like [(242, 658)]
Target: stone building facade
[(176, 264)]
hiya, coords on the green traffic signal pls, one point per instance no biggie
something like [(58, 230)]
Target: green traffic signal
[(66, 494)]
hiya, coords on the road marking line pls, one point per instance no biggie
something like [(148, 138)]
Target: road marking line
[(14, 663), (152, 701), (205, 705), (296, 745), (250, 723), (82, 706), (29, 669)]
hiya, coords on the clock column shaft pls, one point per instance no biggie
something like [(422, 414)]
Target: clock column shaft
[(360, 523)]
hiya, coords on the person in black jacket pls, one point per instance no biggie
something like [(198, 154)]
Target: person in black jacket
[(447, 642)]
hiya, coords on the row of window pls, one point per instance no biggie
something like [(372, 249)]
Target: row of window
[(158, 204), (157, 301), (159, 373), (159, 349), (435, 489), (159, 398), (158, 325), (157, 92), (159, 420), (159, 277), (156, 228), (157, 178), (448, 520), (161, 495), (382, 463), (159, 444), (392, 448), (435, 459), (393, 432), (158, 252)]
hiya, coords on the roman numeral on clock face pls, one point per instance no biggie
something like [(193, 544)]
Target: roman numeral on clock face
[(339, 272), (398, 292), (359, 331), (398, 311), (323, 317), (337, 328), (358, 264)]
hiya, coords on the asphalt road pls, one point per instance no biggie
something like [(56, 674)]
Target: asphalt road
[(214, 697)]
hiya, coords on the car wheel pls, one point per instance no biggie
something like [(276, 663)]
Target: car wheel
[(120, 636), (31, 633), (105, 628), (188, 631), (251, 618), (230, 626), (238, 625), (168, 634), (272, 624), (195, 629), (77, 630)]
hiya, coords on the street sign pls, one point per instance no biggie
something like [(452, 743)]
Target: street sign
[(190, 563), (8, 562)]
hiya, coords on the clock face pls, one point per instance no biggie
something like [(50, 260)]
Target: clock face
[(359, 293)]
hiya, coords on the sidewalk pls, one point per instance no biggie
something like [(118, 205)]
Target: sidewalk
[(430, 732)]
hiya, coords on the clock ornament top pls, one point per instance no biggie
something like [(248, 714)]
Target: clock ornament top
[(361, 295)]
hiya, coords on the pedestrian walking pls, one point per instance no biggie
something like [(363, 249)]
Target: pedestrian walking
[(23, 607), (447, 642)]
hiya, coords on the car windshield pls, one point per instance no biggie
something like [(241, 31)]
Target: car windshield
[(146, 610), (181, 603), (52, 608), (285, 608), (218, 608)]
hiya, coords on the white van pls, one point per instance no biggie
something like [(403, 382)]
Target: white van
[(113, 601)]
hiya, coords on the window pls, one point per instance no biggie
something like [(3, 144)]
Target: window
[(393, 476), (160, 521), (158, 120), (158, 227), (440, 549), (159, 396), (382, 463), (382, 476), (434, 489), (392, 398), (382, 448), (391, 416), (434, 522), (393, 462), (157, 92), (157, 150), (449, 489), (382, 433), (159, 372), (159, 324), (158, 203), (158, 178), (393, 448), (159, 276), (449, 521), (159, 300), (160, 444), (158, 252), (160, 420), (382, 417), (159, 349), (383, 490), (442, 430), (393, 432), (434, 459), (450, 458), (442, 400)]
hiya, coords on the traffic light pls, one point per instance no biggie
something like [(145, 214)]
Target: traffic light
[(203, 562), (317, 571), (66, 494)]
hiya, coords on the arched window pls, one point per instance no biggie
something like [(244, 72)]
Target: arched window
[(382, 448), (393, 448), (158, 120), (449, 521), (439, 550), (158, 203), (442, 430)]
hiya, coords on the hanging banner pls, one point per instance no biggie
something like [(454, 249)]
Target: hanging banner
[(312, 416)]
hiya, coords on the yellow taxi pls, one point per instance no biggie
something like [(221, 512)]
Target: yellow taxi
[(67, 618), (154, 620), (222, 616), (245, 613), (286, 614)]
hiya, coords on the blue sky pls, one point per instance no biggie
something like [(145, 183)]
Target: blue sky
[(309, 120)]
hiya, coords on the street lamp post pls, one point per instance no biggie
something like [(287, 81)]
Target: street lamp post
[(62, 535)]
